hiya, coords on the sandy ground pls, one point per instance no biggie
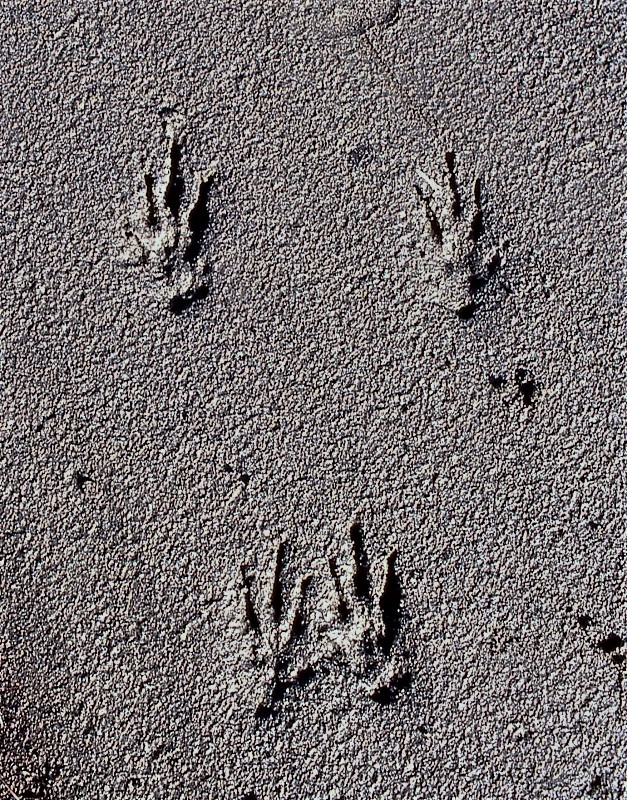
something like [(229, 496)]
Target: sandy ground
[(313, 400)]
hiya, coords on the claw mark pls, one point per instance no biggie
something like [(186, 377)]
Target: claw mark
[(342, 608), (456, 204), (390, 605), (198, 221), (298, 627), (361, 575), (175, 188), (251, 615), (477, 228), (436, 228), (151, 219), (276, 598)]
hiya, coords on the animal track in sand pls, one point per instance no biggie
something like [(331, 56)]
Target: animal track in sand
[(467, 261), (170, 232), (358, 635), (346, 19), (611, 644)]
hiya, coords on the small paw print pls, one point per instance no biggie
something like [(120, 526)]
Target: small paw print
[(170, 233), (527, 388), (466, 260), (276, 630), (368, 619), (611, 644)]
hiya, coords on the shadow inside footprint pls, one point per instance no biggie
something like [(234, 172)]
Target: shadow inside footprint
[(182, 302), (198, 222)]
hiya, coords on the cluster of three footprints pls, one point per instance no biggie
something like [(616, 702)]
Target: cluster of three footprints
[(358, 636)]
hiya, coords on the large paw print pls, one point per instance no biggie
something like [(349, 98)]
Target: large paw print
[(170, 233), (358, 635), (467, 261)]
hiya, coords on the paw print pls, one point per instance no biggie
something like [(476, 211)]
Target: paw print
[(459, 241), (171, 232), (276, 633), (357, 637), (368, 617), (527, 387), (612, 645)]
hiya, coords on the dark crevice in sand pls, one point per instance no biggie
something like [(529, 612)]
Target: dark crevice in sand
[(361, 575), (198, 222), (176, 186)]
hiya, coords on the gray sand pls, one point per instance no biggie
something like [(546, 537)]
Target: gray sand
[(313, 400)]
